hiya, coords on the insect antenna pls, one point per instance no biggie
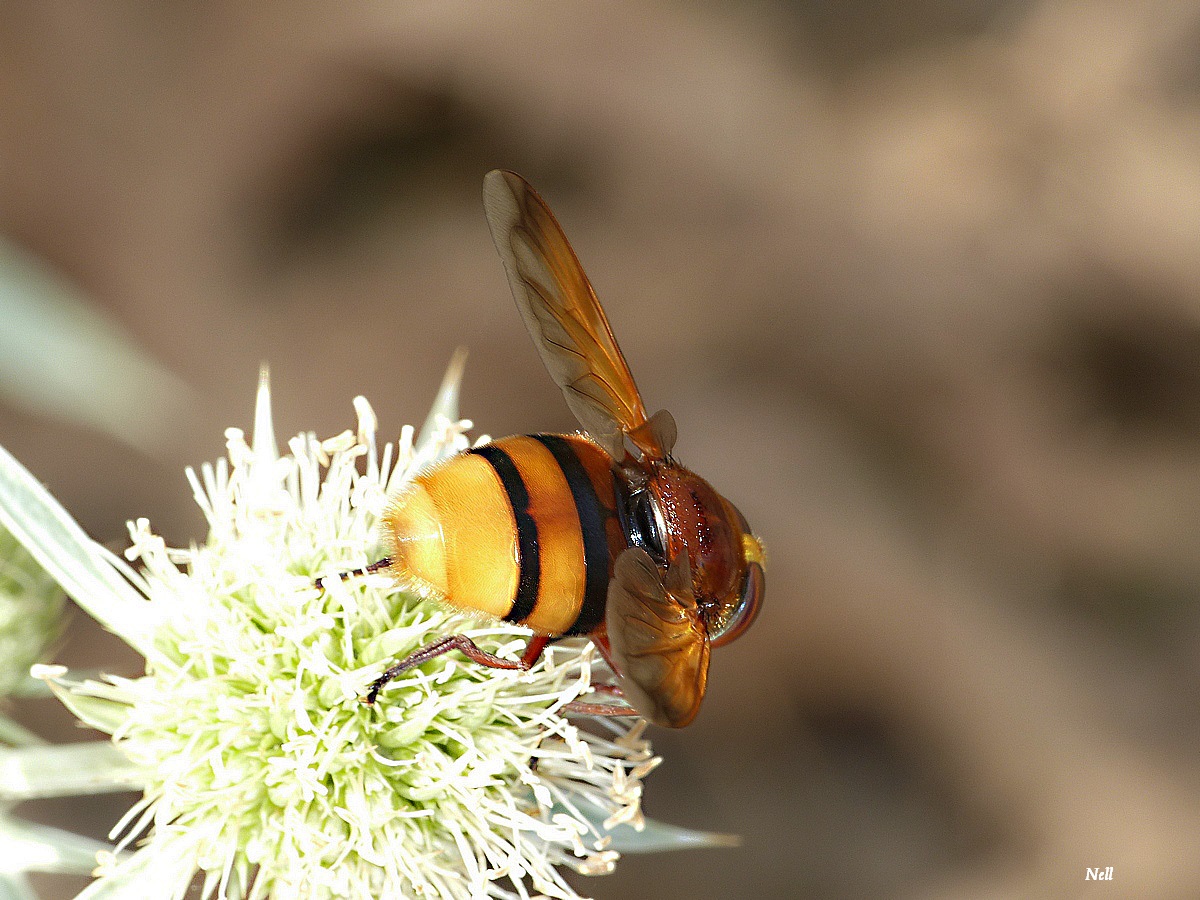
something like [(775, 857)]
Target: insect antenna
[(376, 566)]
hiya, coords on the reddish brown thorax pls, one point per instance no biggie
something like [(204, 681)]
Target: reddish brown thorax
[(701, 522)]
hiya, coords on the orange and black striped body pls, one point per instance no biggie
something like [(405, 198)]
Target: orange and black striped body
[(524, 529)]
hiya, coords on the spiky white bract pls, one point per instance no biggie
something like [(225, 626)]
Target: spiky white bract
[(261, 767)]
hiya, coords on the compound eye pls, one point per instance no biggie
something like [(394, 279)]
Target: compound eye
[(754, 588), (646, 525)]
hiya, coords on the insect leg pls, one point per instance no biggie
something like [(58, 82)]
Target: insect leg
[(533, 650), (601, 642), (587, 708), (356, 573), (583, 708), (459, 642)]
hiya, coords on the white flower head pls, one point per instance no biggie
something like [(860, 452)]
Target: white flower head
[(261, 767)]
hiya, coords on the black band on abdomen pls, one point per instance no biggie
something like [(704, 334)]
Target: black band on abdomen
[(591, 522), (529, 560)]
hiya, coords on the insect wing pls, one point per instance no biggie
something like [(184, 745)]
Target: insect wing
[(566, 321), (657, 638)]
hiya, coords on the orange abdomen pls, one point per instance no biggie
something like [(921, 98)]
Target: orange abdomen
[(523, 529)]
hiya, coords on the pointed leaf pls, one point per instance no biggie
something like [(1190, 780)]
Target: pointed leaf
[(31, 688), (654, 837), (62, 357), (71, 558), (262, 442), (95, 703), (40, 848), (445, 405), (62, 770), (657, 837)]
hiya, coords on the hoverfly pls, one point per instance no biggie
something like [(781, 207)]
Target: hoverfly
[(600, 534)]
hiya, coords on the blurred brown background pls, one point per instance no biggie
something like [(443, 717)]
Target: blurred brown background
[(919, 280)]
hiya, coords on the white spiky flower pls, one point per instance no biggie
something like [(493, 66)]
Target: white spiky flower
[(261, 768)]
